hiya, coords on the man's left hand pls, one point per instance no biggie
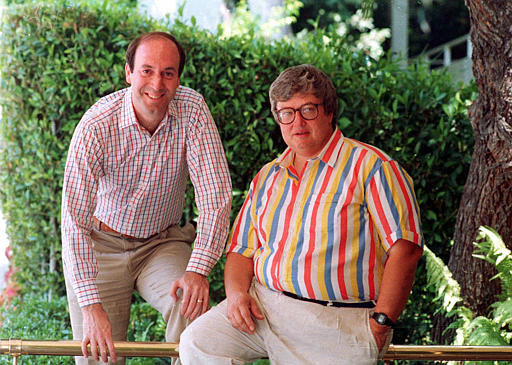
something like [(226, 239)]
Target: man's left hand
[(195, 297), (380, 333)]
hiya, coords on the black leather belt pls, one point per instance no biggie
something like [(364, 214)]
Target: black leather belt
[(328, 303)]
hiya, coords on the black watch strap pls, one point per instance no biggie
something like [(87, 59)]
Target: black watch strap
[(383, 319)]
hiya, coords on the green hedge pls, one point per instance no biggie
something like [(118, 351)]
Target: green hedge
[(57, 60)]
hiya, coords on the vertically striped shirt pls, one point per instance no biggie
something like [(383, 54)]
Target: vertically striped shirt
[(135, 182), (325, 234)]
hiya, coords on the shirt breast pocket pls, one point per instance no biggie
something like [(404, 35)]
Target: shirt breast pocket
[(325, 198), (323, 204)]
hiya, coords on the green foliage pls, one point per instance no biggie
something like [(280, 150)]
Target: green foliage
[(59, 59), (41, 318), (494, 330), (56, 61), (36, 317), (448, 294), (146, 325), (491, 248)]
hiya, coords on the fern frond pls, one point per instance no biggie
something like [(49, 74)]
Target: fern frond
[(491, 248), (485, 332), (502, 312), (441, 279)]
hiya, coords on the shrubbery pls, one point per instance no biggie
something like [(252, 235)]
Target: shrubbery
[(493, 330), (57, 60)]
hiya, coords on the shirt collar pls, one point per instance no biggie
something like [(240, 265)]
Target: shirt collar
[(329, 154), (128, 116)]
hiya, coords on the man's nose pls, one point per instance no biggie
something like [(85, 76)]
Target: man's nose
[(298, 118), (157, 81)]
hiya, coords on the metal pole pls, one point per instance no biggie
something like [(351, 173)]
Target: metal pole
[(445, 353), (16, 347)]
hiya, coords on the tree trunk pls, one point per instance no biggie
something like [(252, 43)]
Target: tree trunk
[(487, 196)]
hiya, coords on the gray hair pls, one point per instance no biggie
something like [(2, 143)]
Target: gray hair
[(304, 79)]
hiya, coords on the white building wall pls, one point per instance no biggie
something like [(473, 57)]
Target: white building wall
[(208, 13)]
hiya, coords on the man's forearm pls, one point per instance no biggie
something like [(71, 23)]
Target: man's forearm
[(238, 273), (398, 278)]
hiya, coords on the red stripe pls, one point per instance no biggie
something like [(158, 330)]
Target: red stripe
[(405, 193), (312, 240), (379, 153), (371, 266), (332, 146), (236, 231), (274, 269), (344, 224), (260, 224), (380, 209)]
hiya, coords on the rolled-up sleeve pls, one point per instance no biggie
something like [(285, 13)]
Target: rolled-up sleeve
[(210, 177), (393, 206)]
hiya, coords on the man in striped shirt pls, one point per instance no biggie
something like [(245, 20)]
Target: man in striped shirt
[(123, 197), (322, 255)]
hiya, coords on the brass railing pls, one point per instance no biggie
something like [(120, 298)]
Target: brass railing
[(17, 348), (449, 353)]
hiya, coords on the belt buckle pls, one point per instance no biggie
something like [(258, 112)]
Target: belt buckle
[(329, 304)]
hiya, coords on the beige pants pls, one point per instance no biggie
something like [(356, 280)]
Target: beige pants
[(293, 332), (148, 266)]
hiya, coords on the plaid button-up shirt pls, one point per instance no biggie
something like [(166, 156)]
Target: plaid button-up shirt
[(135, 182)]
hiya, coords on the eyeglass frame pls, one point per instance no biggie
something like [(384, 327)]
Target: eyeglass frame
[(299, 109)]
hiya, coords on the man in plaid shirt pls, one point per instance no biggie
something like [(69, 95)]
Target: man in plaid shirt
[(123, 196)]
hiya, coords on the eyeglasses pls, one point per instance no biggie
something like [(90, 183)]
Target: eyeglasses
[(307, 111)]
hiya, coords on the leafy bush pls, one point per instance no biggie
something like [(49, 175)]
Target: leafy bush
[(36, 317), (495, 330), (58, 59), (42, 318)]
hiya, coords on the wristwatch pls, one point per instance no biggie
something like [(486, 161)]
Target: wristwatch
[(382, 319)]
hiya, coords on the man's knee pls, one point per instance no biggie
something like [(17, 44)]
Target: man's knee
[(190, 344)]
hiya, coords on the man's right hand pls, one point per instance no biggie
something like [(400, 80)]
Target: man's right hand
[(241, 309), (98, 333)]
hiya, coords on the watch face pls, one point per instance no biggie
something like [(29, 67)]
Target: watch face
[(382, 319)]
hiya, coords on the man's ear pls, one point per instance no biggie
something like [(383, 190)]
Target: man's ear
[(127, 73)]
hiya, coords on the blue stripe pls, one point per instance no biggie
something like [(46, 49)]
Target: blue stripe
[(246, 227), (410, 190), (330, 223), (389, 196), (360, 254), (271, 239), (300, 240), (376, 167)]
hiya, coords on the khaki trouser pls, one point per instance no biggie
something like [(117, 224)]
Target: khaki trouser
[(149, 266), (292, 332)]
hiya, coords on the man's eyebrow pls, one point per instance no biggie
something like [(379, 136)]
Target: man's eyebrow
[(170, 68)]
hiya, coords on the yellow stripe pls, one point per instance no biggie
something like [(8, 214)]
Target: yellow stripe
[(268, 218), (324, 225), (296, 228)]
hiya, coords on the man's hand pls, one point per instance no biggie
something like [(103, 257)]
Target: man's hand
[(195, 298), (98, 333), (380, 333), (241, 309)]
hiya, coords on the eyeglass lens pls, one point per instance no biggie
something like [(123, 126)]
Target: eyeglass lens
[(307, 111)]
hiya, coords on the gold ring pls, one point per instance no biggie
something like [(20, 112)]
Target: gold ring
[(199, 300)]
